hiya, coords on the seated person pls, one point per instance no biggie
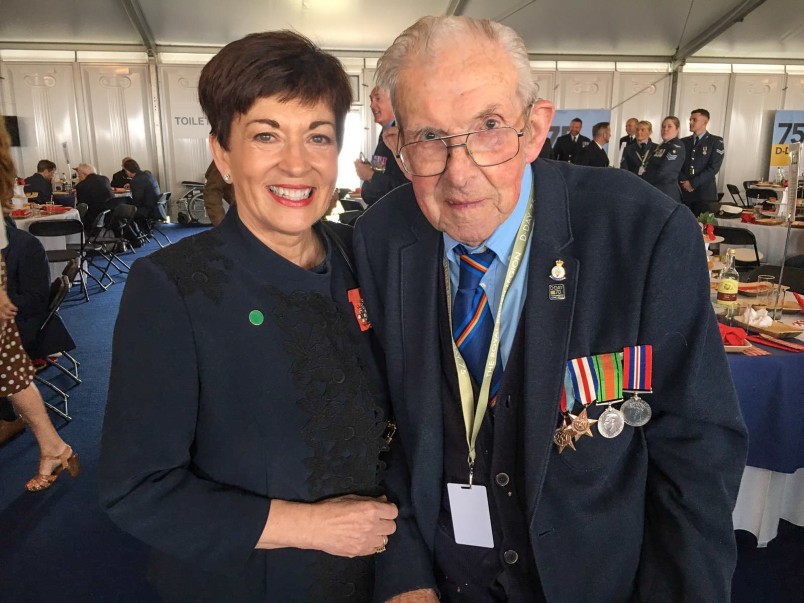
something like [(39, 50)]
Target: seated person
[(216, 190), (28, 283), (120, 179), (145, 193), (94, 190), (42, 181)]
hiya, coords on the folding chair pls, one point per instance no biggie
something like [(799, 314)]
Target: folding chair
[(75, 251), (736, 196), (153, 222), (54, 340), (733, 235)]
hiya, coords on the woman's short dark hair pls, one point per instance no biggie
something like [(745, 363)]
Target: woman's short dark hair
[(131, 166), (283, 64)]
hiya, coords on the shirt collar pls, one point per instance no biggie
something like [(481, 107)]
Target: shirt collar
[(501, 241)]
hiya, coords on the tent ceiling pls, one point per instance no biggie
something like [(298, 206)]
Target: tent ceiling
[(632, 29)]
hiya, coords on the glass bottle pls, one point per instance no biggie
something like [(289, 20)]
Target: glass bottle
[(779, 176), (727, 288)]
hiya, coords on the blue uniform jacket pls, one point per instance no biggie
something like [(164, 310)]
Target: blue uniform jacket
[(663, 168), (701, 166)]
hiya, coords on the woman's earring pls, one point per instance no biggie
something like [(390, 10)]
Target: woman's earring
[(228, 178)]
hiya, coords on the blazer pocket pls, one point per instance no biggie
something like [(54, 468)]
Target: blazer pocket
[(591, 454)]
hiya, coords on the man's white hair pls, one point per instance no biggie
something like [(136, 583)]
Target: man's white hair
[(86, 169), (429, 34)]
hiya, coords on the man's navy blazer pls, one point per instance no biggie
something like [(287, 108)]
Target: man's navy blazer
[(645, 516)]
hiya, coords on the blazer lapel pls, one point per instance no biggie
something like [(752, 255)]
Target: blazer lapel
[(421, 417), (548, 323)]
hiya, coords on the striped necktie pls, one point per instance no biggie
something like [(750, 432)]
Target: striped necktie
[(472, 322)]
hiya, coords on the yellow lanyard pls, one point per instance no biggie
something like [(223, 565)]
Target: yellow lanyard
[(473, 413)]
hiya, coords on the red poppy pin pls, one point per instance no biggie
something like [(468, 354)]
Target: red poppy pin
[(360, 309)]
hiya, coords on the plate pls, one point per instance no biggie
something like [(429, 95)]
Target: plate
[(731, 209), (798, 224), (746, 254), (776, 329), (21, 213), (714, 241), (32, 195), (789, 307), (735, 349), (770, 221), (751, 289)]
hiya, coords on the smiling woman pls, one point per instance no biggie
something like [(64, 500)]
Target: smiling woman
[(252, 464)]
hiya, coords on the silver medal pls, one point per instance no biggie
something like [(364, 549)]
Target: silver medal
[(611, 423), (636, 411)]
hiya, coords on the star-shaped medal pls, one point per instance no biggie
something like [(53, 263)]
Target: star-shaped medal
[(582, 425), (563, 438)]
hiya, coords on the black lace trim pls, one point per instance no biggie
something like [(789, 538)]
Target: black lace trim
[(197, 264)]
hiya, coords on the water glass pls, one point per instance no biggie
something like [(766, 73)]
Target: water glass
[(766, 291)]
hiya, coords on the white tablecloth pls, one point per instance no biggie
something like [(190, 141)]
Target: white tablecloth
[(770, 240), (53, 243), (765, 497)]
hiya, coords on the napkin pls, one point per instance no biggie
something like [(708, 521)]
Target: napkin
[(732, 335), (756, 318), (799, 299)]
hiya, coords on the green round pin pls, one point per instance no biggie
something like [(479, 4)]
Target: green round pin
[(256, 318)]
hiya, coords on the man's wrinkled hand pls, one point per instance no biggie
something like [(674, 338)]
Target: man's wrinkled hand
[(364, 171)]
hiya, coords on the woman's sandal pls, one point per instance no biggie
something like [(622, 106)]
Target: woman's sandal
[(69, 460)]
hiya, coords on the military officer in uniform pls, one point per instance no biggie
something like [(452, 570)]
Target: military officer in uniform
[(594, 154), (665, 164), (638, 153), (705, 153), (568, 146)]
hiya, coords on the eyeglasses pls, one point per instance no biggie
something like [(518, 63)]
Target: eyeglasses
[(486, 148)]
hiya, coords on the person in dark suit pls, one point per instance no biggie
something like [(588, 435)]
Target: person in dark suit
[(698, 177), (637, 154), (546, 151), (598, 258), (568, 146), (665, 163), (28, 284), (42, 181), (145, 193), (121, 179), (247, 408), (594, 154), (630, 132), (381, 175), (94, 190)]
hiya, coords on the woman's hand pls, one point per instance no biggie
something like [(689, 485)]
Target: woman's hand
[(346, 526), (7, 309), (352, 526)]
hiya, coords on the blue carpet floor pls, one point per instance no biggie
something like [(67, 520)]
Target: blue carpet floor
[(57, 546)]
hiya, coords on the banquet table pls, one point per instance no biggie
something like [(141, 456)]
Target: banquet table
[(771, 394), (770, 240), (52, 243)]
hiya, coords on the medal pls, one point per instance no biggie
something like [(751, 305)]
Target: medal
[(582, 425), (562, 437), (703, 151), (611, 423), (638, 369), (609, 371)]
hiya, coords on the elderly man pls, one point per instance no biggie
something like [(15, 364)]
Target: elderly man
[(638, 153), (503, 494), (41, 182), (382, 174), (630, 132), (94, 190), (698, 177)]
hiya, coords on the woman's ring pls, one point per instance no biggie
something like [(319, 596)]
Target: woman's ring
[(381, 548)]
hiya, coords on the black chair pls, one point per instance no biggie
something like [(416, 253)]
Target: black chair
[(53, 343), (351, 205), (108, 240), (74, 251), (736, 196), (349, 217), (743, 237), (154, 221)]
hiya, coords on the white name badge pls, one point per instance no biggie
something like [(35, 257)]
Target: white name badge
[(641, 170), (471, 520)]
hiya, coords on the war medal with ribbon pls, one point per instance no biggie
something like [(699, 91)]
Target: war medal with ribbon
[(638, 371), (609, 370)]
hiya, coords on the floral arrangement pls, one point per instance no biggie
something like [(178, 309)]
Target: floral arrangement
[(707, 220)]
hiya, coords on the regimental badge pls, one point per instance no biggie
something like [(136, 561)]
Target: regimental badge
[(360, 309), (558, 272), (659, 153)]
